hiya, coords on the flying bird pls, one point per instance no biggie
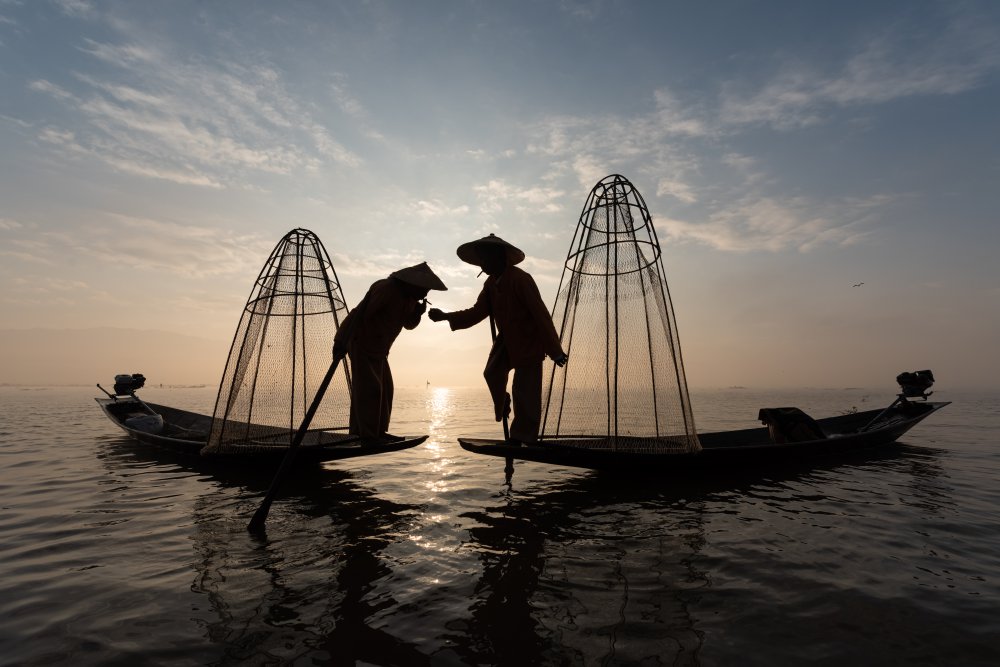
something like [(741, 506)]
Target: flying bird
[(858, 284)]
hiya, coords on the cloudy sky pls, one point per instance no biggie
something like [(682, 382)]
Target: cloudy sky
[(153, 153)]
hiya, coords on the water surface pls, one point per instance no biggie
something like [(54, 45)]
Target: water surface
[(119, 553)]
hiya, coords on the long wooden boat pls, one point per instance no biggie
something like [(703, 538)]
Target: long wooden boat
[(185, 432), (746, 448)]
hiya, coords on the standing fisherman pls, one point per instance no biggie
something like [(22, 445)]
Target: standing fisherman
[(511, 298), (367, 333)]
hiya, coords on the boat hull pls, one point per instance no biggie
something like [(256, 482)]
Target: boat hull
[(186, 433), (742, 449)]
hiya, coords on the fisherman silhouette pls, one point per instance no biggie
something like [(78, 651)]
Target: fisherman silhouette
[(526, 334), (367, 333)]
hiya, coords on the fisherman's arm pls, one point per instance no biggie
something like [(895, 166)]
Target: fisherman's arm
[(463, 319), (532, 300), (416, 309)]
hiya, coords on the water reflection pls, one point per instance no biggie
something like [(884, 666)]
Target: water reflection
[(606, 569), (584, 570), (311, 586), (441, 409), (430, 562)]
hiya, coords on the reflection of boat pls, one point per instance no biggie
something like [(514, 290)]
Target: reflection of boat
[(320, 588), (599, 569), (564, 577), (743, 448), (187, 433)]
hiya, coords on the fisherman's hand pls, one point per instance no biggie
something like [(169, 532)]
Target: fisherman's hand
[(339, 352), (436, 315), (561, 359)]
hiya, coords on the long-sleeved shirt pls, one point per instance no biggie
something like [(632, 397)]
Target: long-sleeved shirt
[(520, 314), (387, 311)]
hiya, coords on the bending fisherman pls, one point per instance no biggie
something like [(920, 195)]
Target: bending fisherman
[(526, 333), (367, 334)]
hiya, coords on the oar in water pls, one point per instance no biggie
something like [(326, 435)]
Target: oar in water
[(260, 516)]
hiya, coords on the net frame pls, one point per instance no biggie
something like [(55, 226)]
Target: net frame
[(280, 352), (613, 223)]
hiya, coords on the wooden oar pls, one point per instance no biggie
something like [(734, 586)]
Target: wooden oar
[(260, 516), (508, 468)]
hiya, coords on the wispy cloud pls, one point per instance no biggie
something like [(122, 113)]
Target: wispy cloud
[(198, 122), (587, 10), (45, 290), (7, 224), (76, 8), (497, 194), (374, 265), (593, 147), (773, 224), (684, 144), (185, 250), (958, 58), (429, 209), (676, 189), (146, 245)]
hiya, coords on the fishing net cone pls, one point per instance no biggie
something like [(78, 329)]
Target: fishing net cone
[(624, 387), (281, 351)]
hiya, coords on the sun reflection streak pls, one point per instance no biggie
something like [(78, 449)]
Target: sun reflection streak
[(441, 408)]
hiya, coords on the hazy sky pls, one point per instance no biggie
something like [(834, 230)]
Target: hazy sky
[(154, 152)]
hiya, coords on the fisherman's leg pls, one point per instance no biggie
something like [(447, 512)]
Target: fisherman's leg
[(527, 392), (387, 393), (496, 373), (366, 394)]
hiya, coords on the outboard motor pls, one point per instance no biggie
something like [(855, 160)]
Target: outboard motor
[(126, 385), (916, 384)]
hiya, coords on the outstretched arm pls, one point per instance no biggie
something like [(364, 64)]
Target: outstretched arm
[(463, 319)]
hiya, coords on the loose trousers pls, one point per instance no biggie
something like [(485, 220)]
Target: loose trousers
[(526, 392), (371, 394)]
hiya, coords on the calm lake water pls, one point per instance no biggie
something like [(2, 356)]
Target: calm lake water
[(118, 553)]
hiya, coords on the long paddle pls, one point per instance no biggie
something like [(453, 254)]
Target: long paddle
[(260, 516), (508, 468)]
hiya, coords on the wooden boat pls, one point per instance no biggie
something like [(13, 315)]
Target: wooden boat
[(295, 307), (747, 448), (187, 432)]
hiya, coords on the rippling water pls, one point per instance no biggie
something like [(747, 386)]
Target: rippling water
[(115, 552)]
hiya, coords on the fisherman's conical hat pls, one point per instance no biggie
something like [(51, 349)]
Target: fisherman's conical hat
[(468, 252), (419, 275)]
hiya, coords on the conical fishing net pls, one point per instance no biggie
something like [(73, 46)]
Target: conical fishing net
[(624, 387), (281, 351)]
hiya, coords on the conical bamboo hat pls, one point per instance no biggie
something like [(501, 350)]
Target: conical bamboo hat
[(468, 252), (419, 275)]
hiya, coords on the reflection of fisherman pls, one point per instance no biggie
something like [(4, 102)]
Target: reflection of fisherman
[(510, 297), (367, 333)]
